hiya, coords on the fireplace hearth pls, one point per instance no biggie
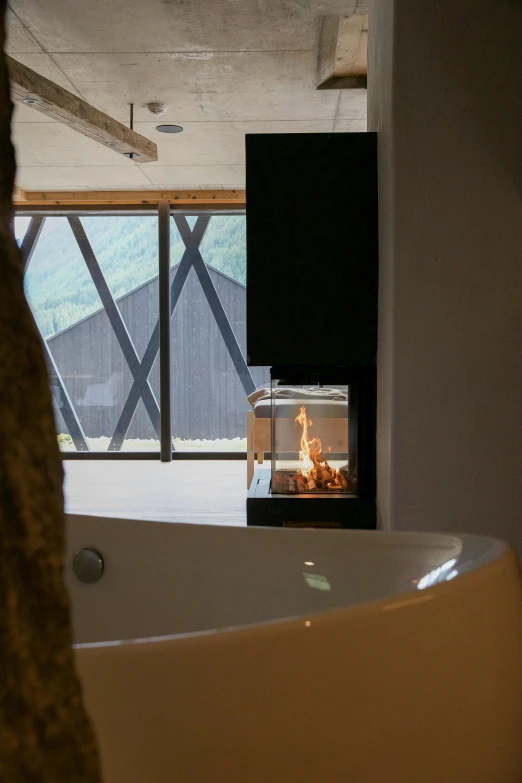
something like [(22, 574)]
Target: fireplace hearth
[(316, 510)]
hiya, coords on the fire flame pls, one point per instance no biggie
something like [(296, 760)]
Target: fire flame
[(314, 472)]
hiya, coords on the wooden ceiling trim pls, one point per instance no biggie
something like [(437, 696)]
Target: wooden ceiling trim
[(19, 195), (234, 199)]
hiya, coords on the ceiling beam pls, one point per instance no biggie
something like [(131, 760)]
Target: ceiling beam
[(18, 194), (33, 90), (343, 46), (221, 199)]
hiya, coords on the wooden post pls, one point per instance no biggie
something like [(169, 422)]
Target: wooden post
[(250, 447), (164, 328)]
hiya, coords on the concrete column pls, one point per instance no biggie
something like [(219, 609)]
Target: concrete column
[(444, 94)]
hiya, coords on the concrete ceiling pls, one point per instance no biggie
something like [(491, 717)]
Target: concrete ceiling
[(223, 68)]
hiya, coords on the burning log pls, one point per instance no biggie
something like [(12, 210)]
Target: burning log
[(314, 473), (302, 483), (324, 474), (338, 483)]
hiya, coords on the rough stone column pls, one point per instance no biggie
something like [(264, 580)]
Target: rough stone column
[(45, 735)]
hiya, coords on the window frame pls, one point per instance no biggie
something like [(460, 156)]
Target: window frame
[(27, 247)]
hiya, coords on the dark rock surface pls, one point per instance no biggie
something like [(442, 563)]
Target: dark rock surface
[(45, 735)]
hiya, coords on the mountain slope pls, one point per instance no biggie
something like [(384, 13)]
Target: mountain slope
[(59, 287)]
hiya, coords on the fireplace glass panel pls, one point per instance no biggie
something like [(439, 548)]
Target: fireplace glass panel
[(311, 448)]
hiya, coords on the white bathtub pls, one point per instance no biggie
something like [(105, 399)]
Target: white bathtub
[(234, 655)]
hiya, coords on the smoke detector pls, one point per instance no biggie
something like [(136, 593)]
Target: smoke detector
[(157, 108)]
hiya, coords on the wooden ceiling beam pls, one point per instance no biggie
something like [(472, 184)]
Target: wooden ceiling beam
[(18, 194), (343, 47), (234, 199), (60, 105)]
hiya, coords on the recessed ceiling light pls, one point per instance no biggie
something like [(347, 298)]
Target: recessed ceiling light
[(111, 143), (169, 128), (30, 101)]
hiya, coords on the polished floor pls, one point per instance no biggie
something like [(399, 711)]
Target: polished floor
[(201, 492)]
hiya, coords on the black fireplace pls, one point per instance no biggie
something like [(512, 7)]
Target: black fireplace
[(322, 459), (312, 316)]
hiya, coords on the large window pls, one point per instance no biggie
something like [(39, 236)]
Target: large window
[(92, 283)]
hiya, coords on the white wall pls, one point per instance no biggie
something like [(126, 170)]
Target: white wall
[(444, 92)]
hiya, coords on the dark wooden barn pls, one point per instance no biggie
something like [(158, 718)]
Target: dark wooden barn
[(208, 400)]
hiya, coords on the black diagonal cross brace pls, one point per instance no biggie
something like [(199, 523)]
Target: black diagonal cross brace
[(218, 311), (115, 319), (61, 396), (31, 236), (191, 258)]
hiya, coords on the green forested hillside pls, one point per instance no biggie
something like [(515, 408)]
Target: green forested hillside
[(59, 287)]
